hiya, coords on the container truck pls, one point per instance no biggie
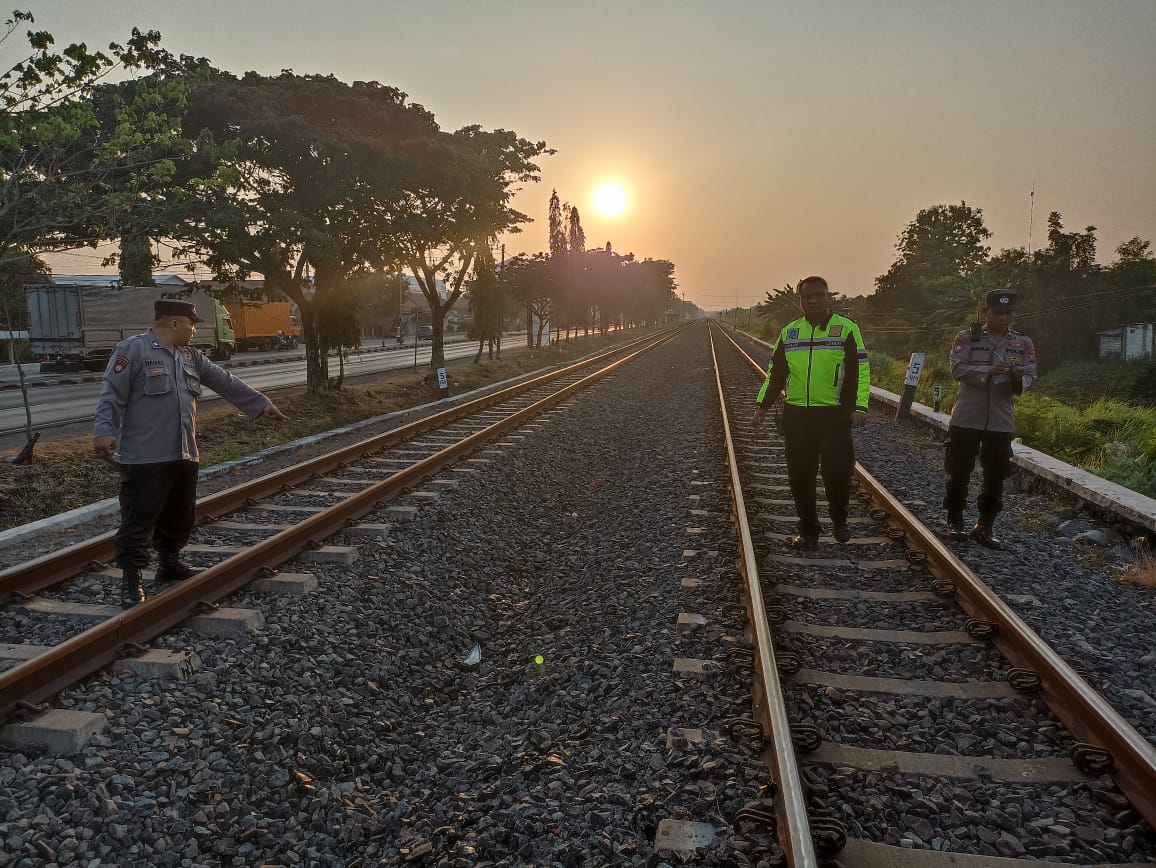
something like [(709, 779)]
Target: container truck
[(74, 328), (256, 324)]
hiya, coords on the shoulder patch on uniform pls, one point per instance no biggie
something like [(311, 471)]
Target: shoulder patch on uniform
[(959, 343), (121, 364), (186, 354), (836, 331), (792, 334)]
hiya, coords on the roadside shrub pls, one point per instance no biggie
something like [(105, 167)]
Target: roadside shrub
[(1081, 382), (1055, 428)]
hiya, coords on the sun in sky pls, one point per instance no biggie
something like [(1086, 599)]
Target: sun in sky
[(610, 199)]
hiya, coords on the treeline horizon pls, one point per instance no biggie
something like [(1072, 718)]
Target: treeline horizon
[(943, 267), (279, 177)]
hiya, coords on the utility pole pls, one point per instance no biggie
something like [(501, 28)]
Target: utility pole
[(1031, 219)]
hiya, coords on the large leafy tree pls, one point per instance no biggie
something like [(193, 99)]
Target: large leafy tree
[(69, 176), (530, 283), (930, 287), (456, 210), (651, 289), (1133, 277), (66, 178), (942, 241), (320, 173), (607, 283), (1065, 300)]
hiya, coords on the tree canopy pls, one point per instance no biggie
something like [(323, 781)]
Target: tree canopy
[(69, 173), (943, 268)]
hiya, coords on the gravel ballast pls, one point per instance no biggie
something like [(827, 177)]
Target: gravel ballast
[(350, 731), (347, 731)]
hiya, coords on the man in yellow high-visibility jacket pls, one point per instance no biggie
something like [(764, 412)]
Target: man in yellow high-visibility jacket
[(821, 361)]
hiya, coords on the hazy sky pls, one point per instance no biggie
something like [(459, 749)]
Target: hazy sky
[(758, 141)]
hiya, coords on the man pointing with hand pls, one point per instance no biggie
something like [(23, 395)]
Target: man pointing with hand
[(146, 421)]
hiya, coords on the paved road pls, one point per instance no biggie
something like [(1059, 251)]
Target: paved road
[(59, 407)]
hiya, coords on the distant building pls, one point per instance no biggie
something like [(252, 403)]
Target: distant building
[(1127, 342), (442, 290)]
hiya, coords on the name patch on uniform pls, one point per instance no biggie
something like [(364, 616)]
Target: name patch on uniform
[(157, 372), (121, 364), (792, 334), (836, 331)]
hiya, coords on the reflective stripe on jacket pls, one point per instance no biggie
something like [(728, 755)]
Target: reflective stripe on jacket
[(821, 365)]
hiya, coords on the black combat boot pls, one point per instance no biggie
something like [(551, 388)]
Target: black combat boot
[(955, 529), (170, 568), (131, 590), (982, 533)]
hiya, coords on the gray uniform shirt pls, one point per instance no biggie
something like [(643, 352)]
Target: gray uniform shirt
[(149, 399), (985, 402)]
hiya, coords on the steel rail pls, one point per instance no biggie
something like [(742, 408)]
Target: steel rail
[(1089, 717), (23, 580), (794, 829), (37, 680)]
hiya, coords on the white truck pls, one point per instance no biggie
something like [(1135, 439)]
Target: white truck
[(76, 327)]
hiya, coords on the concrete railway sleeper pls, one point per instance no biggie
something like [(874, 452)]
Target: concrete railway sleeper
[(915, 713)]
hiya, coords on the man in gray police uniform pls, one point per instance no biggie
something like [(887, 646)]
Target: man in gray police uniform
[(993, 364), (146, 420)]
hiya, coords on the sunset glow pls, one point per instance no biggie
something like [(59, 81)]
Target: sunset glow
[(610, 199)]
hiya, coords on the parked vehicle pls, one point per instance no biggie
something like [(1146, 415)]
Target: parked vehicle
[(74, 328), (257, 324), (425, 333)]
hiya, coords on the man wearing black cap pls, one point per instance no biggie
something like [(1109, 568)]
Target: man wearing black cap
[(993, 364), (146, 420)]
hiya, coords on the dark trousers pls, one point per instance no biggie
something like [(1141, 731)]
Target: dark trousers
[(995, 452), (817, 436), (158, 505)]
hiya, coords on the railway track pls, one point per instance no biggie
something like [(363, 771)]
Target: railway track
[(907, 745), (885, 665), (255, 528)]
